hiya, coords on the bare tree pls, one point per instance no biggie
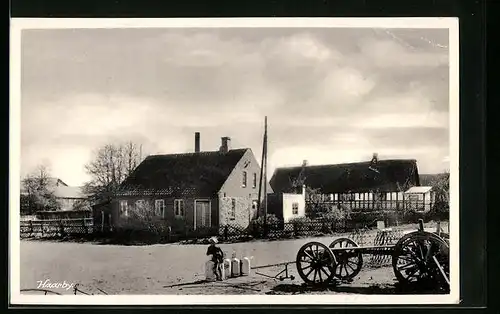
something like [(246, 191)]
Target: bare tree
[(37, 193), (112, 164)]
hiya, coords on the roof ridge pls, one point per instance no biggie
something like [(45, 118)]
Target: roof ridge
[(194, 153), (347, 163)]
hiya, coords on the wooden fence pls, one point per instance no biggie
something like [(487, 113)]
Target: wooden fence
[(56, 227), (300, 227), (373, 205)]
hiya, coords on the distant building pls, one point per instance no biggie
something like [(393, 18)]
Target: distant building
[(199, 190), (419, 198), (67, 196), (362, 185), (287, 206)]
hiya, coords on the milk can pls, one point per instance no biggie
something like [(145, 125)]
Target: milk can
[(226, 269), (245, 266), (209, 271), (235, 267)]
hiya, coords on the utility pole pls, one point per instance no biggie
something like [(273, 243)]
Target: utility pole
[(265, 175)]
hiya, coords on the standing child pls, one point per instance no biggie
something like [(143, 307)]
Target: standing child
[(217, 257)]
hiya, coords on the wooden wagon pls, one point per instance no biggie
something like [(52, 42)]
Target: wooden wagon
[(419, 257)]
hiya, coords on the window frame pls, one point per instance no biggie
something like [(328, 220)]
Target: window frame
[(124, 208), (244, 182), (178, 207), (232, 211), (161, 208), (254, 180), (295, 208)]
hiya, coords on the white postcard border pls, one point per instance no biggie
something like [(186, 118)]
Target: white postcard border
[(17, 25)]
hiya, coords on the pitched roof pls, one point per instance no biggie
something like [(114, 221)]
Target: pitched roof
[(394, 175), (195, 174), (56, 182), (63, 191)]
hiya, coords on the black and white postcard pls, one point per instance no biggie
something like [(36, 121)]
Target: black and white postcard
[(234, 161)]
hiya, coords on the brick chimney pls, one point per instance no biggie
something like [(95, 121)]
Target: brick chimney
[(225, 144), (197, 142)]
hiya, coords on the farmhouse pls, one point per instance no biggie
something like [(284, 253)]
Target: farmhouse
[(198, 190), (361, 185), (68, 197)]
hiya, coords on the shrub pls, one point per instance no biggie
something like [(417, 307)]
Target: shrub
[(143, 224), (301, 224), (337, 213)]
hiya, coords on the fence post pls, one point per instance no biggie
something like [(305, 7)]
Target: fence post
[(61, 227), (31, 227), (109, 219), (41, 227), (102, 221), (225, 232), (84, 226)]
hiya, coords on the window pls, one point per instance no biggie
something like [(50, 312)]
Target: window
[(254, 181), (179, 208), (295, 208), (380, 196), (254, 204), (346, 197), (232, 213), (160, 208), (123, 208), (244, 183)]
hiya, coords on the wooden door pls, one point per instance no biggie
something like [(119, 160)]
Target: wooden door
[(203, 214)]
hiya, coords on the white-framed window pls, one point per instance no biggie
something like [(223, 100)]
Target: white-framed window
[(160, 207), (124, 208), (232, 212), (347, 197), (244, 183), (254, 180), (179, 208), (295, 208)]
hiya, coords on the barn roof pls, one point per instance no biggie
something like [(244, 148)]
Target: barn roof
[(392, 175), (64, 191), (189, 174)]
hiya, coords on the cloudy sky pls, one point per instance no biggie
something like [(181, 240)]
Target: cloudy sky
[(331, 95)]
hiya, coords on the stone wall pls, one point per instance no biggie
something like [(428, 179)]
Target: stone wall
[(244, 212)]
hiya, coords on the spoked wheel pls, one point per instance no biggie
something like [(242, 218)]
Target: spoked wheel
[(349, 262), (315, 263), (422, 259)]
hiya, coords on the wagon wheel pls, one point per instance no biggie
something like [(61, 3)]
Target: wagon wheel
[(349, 262), (315, 263), (422, 258)]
